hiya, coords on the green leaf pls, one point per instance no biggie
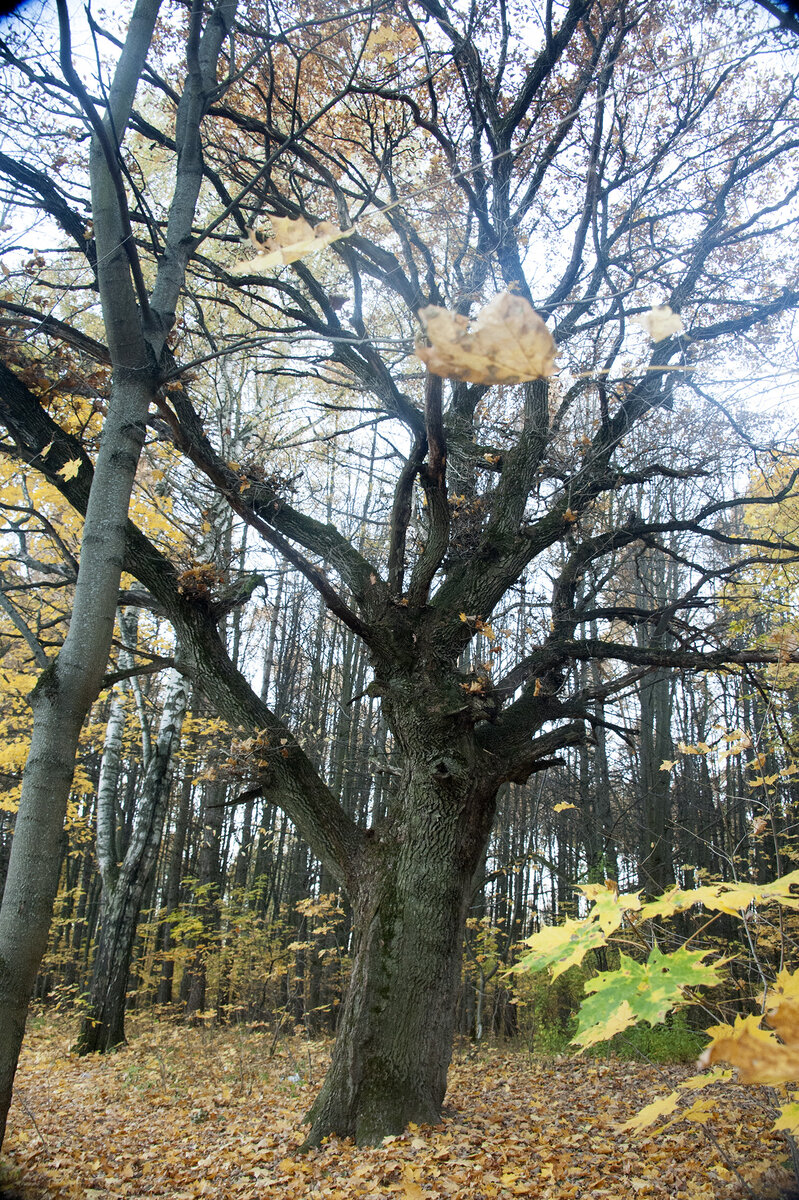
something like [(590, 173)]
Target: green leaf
[(650, 989)]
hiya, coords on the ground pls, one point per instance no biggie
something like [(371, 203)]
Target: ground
[(182, 1113)]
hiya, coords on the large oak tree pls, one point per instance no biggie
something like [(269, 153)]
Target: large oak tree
[(594, 159)]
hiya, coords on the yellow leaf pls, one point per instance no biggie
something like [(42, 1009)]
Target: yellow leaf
[(563, 806), (788, 1118), (70, 469), (696, 1082), (700, 1111), (668, 764), (757, 1054), (652, 1112), (621, 1019), (506, 343), (412, 1189)]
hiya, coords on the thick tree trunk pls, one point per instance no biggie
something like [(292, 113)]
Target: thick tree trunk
[(395, 1033)]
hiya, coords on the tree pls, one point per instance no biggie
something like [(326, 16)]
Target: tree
[(613, 161), (136, 328), (126, 870)]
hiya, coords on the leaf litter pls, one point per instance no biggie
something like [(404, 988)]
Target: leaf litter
[(191, 1112)]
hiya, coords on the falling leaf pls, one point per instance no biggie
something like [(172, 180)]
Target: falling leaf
[(506, 343), (563, 806), (69, 469), (291, 240), (668, 764), (660, 322), (570, 516)]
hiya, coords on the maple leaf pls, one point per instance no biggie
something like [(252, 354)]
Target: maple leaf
[(757, 1054), (699, 1113), (650, 990), (616, 1021), (291, 240), (69, 469), (563, 806), (660, 322), (731, 898), (788, 1118), (506, 343), (652, 1112)]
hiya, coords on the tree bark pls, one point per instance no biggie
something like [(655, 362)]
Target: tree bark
[(136, 332), (103, 1024), (394, 1040)]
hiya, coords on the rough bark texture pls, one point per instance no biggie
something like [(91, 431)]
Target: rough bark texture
[(410, 890), (394, 1039)]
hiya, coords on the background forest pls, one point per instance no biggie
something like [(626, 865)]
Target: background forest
[(559, 603)]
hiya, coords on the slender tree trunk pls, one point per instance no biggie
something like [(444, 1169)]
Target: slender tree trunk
[(209, 878), (103, 1025), (60, 702), (172, 889)]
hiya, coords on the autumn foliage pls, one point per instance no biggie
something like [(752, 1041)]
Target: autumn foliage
[(183, 1114)]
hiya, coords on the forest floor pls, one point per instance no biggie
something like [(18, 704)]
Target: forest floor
[(183, 1113)]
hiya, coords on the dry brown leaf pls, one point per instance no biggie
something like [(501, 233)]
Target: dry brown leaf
[(291, 240), (660, 322), (506, 343)]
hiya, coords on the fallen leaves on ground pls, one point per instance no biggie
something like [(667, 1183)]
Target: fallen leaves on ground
[(186, 1113)]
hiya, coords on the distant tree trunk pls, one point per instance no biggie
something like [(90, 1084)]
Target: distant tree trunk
[(209, 881), (655, 867), (103, 1025), (172, 888)]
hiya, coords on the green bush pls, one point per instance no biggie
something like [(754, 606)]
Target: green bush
[(547, 1009), (671, 1042)]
